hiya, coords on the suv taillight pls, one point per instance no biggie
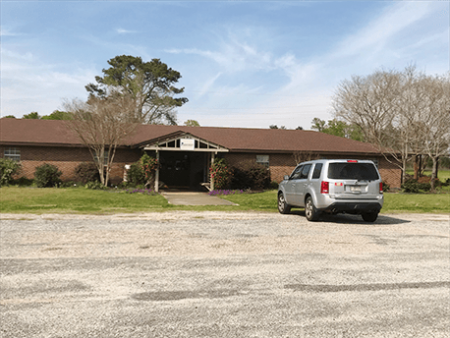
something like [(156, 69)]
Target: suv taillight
[(324, 187), (381, 187)]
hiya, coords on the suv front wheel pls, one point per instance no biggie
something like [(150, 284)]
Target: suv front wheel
[(312, 214), (283, 207)]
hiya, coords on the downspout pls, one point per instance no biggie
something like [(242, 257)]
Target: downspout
[(211, 177), (157, 172)]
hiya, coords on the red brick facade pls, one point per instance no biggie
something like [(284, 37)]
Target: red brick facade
[(68, 158), (36, 142), (283, 164)]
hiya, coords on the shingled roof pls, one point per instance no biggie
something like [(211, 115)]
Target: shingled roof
[(56, 133)]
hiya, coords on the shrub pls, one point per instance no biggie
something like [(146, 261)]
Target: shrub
[(47, 175), (148, 166), (8, 168), (69, 184), (96, 185), (135, 175), (412, 186), (87, 172), (386, 187), (251, 175), (446, 183), (273, 185), (221, 173), (22, 182), (425, 186)]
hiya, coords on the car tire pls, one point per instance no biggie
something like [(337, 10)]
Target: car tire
[(283, 207), (370, 216), (311, 213)]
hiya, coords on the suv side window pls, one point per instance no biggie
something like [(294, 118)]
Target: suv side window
[(296, 174), (305, 171), (317, 170)]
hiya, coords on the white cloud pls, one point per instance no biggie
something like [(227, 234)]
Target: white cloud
[(375, 36), (233, 55), (30, 85), (125, 31), (208, 84), (6, 32)]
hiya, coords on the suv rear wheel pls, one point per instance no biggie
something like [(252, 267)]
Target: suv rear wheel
[(283, 207), (312, 214), (370, 216)]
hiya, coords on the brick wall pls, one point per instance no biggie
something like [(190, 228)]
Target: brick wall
[(67, 159), (279, 164), (390, 173), (283, 164)]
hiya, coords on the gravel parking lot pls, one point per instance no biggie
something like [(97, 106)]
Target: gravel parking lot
[(213, 274)]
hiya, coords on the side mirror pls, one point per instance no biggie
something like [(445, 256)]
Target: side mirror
[(286, 177)]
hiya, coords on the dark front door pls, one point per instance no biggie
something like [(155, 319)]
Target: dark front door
[(182, 170)]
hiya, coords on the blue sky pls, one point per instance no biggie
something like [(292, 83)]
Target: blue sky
[(243, 63)]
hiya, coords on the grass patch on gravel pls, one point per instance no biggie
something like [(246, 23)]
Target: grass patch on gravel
[(84, 201)]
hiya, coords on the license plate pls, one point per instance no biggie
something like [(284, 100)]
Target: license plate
[(355, 189)]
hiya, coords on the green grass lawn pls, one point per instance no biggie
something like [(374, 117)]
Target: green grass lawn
[(81, 200), (50, 200)]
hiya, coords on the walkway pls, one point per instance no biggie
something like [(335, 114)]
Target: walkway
[(194, 198)]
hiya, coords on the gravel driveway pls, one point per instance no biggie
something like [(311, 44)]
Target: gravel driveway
[(213, 274)]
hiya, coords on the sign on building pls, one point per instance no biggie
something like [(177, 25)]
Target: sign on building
[(187, 144)]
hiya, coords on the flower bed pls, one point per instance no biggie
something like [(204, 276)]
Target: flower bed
[(141, 191), (225, 192)]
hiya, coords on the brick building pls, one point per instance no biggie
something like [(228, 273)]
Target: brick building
[(185, 153)]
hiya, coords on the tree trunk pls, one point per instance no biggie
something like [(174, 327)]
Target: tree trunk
[(437, 167), (404, 169), (107, 176), (420, 165), (101, 173), (434, 172), (416, 167)]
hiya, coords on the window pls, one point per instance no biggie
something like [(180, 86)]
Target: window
[(105, 157), (296, 174), (263, 159), (12, 154), (305, 171), (352, 171), (317, 170)]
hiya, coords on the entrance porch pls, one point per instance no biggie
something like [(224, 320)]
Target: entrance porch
[(184, 162)]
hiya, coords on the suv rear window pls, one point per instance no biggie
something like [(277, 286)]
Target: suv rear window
[(352, 171)]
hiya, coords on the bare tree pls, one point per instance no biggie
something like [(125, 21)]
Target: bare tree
[(102, 123), (304, 156), (435, 125), (389, 107)]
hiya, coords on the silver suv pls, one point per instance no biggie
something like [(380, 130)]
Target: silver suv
[(333, 186)]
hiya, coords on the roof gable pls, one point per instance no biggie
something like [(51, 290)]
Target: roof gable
[(182, 140)]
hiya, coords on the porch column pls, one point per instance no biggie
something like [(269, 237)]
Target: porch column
[(211, 186), (157, 173)]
